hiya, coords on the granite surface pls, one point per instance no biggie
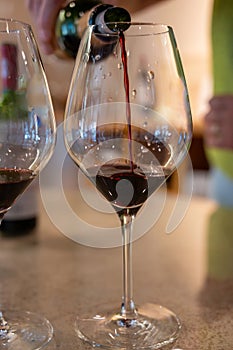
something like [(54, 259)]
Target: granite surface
[(189, 271)]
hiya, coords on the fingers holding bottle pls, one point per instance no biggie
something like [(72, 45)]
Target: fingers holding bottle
[(44, 14)]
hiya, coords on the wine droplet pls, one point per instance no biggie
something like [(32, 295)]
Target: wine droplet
[(134, 92), (151, 75)]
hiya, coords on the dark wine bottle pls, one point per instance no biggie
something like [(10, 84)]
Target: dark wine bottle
[(77, 15), (22, 217)]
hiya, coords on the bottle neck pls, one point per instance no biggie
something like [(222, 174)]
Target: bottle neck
[(75, 18), (101, 15), (108, 19)]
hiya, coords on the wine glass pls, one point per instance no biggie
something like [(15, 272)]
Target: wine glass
[(27, 140), (128, 126)]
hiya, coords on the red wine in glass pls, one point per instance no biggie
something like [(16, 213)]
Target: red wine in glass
[(124, 188), (124, 183), (12, 183)]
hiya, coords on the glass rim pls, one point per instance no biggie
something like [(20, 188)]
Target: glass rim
[(162, 28), (9, 21)]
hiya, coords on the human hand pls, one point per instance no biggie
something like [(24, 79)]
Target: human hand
[(218, 122), (44, 14)]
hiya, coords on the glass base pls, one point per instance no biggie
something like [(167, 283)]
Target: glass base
[(24, 330), (153, 328)]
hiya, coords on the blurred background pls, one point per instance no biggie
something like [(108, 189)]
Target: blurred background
[(191, 22)]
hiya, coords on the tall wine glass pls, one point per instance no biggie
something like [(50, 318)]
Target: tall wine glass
[(128, 127), (27, 139)]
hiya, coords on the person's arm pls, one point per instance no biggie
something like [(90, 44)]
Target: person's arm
[(44, 14), (218, 123)]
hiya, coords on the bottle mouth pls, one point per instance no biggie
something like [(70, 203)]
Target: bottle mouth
[(131, 29), (121, 15)]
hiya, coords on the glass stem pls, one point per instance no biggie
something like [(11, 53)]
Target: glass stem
[(128, 310), (4, 327)]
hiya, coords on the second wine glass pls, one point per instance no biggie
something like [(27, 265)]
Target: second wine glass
[(128, 126), (27, 140)]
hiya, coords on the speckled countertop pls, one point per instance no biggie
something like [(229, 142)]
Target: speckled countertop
[(190, 271)]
